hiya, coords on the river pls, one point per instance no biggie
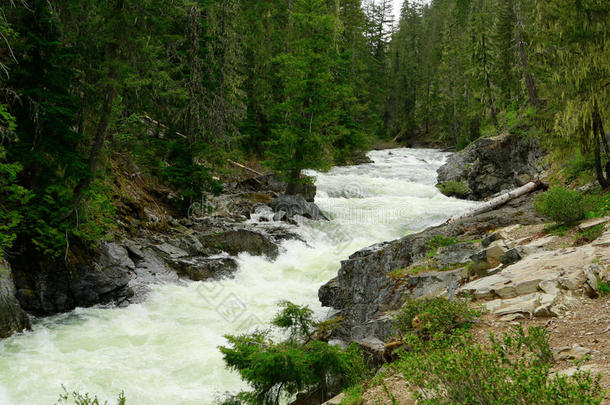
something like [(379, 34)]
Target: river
[(164, 351)]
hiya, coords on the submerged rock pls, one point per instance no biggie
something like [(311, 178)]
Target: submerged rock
[(12, 317), (491, 165)]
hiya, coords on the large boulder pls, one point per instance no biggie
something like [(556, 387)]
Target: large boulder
[(490, 165), (237, 241), (289, 206), (274, 183), (90, 278), (12, 317)]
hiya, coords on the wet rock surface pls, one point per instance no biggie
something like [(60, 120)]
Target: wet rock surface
[(12, 317), (199, 247)]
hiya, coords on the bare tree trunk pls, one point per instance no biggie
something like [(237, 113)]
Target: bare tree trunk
[(194, 34), (532, 91), (599, 134), (500, 200), (98, 143)]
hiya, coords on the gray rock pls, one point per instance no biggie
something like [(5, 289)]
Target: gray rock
[(372, 348), (293, 205), (237, 241), (105, 279), (363, 292), (203, 268), (490, 165), (276, 184), (12, 317)]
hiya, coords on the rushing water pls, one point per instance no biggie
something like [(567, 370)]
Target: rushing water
[(164, 351)]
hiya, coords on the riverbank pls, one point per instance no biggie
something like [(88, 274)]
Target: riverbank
[(175, 331)]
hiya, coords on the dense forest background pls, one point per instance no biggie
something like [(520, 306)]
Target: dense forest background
[(177, 87)]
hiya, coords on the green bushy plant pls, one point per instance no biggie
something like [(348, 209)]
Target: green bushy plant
[(512, 370), (452, 188), (77, 398), (427, 318), (561, 205), (277, 369), (596, 205)]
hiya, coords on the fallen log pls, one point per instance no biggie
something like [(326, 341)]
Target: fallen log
[(244, 167), (501, 200)]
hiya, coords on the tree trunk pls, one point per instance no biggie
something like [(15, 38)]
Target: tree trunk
[(532, 91), (500, 200), (194, 34), (600, 139), (98, 143)]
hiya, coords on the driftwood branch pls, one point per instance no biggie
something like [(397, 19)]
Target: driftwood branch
[(500, 200), (244, 167)]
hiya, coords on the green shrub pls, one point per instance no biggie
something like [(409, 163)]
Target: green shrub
[(511, 370), (603, 288), (77, 398), (452, 188), (299, 363), (561, 205), (428, 318), (596, 205)]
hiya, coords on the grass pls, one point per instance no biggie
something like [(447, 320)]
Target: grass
[(453, 188), (589, 235), (603, 288), (438, 241)]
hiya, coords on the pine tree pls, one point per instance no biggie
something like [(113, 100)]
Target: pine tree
[(307, 117), (575, 39)]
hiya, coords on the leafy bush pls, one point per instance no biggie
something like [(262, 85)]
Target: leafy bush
[(299, 363), (452, 188), (77, 398), (596, 205), (561, 205), (603, 288), (512, 370), (428, 318)]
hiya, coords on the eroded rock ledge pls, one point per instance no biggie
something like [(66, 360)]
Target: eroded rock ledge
[(365, 291)]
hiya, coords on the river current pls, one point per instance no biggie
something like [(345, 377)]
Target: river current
[(164, 351)]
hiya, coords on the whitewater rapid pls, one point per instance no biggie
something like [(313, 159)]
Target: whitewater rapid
[(164, 351)]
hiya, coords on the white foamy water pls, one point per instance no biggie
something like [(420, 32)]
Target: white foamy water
[(164, 351)]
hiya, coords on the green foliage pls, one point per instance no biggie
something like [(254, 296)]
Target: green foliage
[(603, 288), (512, 370), (589, 235), (77, 398), (596, 205), (561, 205), (453, 188), (572, 39), (275, 369), (433, 318)]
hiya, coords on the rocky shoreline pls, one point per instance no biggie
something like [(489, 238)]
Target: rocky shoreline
[(162, 249)]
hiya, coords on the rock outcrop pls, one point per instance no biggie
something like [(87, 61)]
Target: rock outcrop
[(491, 165), (12, 317), (123, 272), (542, 282), (366, 288), (287, 207)]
